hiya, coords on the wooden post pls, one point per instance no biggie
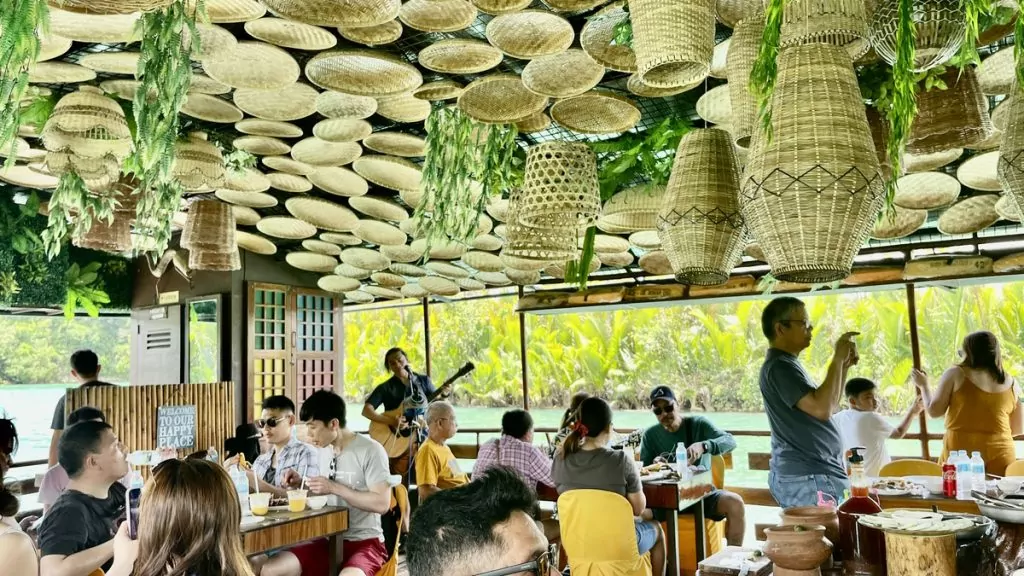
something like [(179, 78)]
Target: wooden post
[(522, 356), (915, 350), (920, 555), (426, 333)]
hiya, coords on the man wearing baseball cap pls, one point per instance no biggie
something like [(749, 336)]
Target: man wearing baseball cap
[(702, 440)]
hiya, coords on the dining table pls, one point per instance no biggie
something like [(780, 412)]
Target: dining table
[(671, 497), (281, 528)]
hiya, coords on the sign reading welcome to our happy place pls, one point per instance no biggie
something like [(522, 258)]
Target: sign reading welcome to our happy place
[(176, 427)]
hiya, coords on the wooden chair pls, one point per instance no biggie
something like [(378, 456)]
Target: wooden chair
[(910, 467), (714, 531), (598, 535), (1015, 469), (399, 499)]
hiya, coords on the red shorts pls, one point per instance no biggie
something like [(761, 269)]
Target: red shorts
[(366, 555)]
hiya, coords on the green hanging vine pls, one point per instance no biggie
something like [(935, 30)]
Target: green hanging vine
[(622, 33), (21, 23), (463, 157), (73, 201), (1018, 45), (975, 11), (165, 70), (765, 70), (903, 100)]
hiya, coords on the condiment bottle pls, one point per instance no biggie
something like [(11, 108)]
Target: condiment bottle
[(862, 548)]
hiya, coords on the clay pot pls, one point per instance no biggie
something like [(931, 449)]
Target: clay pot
[(814, 516), (797, 550)]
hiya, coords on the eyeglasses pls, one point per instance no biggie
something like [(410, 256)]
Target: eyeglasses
[(542, 565), (667, 409), (269, 422), (805, 323)]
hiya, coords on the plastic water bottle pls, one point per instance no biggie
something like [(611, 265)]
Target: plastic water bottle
[(977, 471), (964, 482), (241, 482), (682, 460), (212, 455)]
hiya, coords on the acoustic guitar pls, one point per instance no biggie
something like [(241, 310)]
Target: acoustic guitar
[(395, 443)]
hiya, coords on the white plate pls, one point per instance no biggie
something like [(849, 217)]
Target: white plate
[(892, 492), (251, 520)]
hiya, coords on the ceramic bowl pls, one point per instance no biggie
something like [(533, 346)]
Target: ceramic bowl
[(316, 502)]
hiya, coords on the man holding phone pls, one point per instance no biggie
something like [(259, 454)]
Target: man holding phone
[(702, 440), (76, 537)]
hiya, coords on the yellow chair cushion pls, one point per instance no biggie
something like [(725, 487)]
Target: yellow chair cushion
[(910, 467), (599, 536)]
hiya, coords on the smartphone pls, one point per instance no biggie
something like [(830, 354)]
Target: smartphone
[(134, 498)]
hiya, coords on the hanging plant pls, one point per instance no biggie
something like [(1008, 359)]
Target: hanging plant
[(1018, 45), (85, 290), (622, 34), (73, 209), (466, 164), (765, 70), (21, 22), (238, 161), (165, 71), (902, 108), (977, 13), (37, 112)]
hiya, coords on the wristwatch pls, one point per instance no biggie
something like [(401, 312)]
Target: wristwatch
[(707, 447)]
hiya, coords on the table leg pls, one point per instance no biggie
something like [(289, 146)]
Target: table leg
[(336, 553), (672, 544), (699, 530)]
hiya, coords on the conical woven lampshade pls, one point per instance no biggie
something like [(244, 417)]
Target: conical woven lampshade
[(88, 124), (810, 196), (674, 41), (210, 227), (843, 23), (115, 237), (214, 261), (198, 164), (560, 187), (1011, 155), (746, 40), (953, 118), (700, 224)]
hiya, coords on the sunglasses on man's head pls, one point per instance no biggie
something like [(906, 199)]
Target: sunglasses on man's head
[(668, 409), (270, 422), (542, 565)]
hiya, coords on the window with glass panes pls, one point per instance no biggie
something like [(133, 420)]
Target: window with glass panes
[(269, 344), (316, 358)]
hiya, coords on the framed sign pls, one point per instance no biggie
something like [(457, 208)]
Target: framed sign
[(176, 427)]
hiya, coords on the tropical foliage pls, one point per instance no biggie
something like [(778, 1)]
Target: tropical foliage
[(709, 352), (35, 350)]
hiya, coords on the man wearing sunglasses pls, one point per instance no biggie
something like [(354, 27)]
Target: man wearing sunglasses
[(702, 440), (806, 460), (480, 529), (271, 469)]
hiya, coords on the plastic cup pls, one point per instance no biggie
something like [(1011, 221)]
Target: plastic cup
[(297, 500), (259, 504)]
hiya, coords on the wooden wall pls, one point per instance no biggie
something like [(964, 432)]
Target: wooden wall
[(132, 411)]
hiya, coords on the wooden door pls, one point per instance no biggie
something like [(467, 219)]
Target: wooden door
[(315, 354), (270, 345)]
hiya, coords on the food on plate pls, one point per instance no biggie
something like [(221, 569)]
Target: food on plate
[(656, 467), (917, 521), (279, 501), (893, 485)]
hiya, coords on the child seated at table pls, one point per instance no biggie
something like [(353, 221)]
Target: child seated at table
[(862, 425), (585, 462)]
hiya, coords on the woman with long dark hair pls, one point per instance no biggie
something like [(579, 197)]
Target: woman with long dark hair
[(189, 523), (585, 462), (980, 402), (16, 548)]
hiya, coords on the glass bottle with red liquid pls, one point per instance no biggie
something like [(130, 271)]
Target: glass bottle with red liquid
[(862, 548)]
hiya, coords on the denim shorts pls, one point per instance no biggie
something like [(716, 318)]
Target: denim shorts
[(646, 535), (802, 490)]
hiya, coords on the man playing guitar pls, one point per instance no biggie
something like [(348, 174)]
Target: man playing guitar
[(404, 388)]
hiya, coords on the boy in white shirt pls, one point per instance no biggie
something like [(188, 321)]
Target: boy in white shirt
[(862, 425)]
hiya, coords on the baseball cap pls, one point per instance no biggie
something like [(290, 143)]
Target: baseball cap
[(662, 393)]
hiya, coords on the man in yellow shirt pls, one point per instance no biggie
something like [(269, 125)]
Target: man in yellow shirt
[(436, 466)]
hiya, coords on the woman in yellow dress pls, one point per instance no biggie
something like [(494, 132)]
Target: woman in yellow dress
[(980, 403)]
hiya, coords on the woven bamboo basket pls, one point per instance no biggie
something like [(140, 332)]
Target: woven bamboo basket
[(560, 187), (534, 248), (97, 173), (879, 135), (674, 41), (115, 237), (632, 210), (746, 40), (939, 31), (953, 118), (1011, 155), (700, 224), (214, 261), (210, 227), (198, 164), (732, 12), (840, 22), (89, 124), (103, 7), (598, 33), (811, 194), (336, 12)]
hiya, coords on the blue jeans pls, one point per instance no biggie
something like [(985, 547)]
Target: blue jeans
[(792, 491), (646, 535)]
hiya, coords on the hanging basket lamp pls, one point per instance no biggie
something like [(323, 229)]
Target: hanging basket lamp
[(953, 118), (674, 41), (938, 31), (210, 227), (198, 164), (1011, 156), (560, 187)]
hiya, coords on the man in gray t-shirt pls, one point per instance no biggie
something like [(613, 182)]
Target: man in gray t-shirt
[(806, 447)]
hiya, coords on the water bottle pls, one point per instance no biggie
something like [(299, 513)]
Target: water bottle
[(212, 455), (977, 472), (963, 476), (241, 482), (682, 460), (134, 499)]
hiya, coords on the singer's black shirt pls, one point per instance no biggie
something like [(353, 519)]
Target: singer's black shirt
[(393, 392)]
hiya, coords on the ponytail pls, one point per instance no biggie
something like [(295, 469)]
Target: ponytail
[(9, 503), (590, 419), (574, 440)]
